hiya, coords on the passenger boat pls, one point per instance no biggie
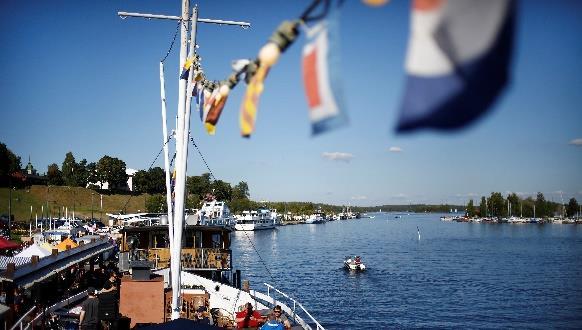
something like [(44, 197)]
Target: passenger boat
[(255, 220), (315, 218), (207, 276), (354, 263)]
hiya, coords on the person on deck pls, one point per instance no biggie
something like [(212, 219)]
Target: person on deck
[(272, 323), (280, 317), (248, 318), (89, 317), (200, 317)]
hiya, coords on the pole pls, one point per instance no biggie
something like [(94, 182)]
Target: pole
[(182, 130), (92, 206), (180, 167), (166, 158), (9, 209), (101, 218)]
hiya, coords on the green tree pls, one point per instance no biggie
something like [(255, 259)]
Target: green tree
[(541, 206), (199, 185), (157, 180), (528, 205), (221, 190), (68, 169), (470, 209), (514, 202), (483, 207), (92, 177), (573, 208), (9, 162), (497, 204), (156, 203), (140, 181), (81, 174), (54, 175), (193, 202), (112, 171), (241, 191)]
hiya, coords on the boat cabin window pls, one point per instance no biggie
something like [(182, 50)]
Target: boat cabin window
[(216, 241)]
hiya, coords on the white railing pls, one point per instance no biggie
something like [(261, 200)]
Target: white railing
[(291, 312), (19, 323), (60, 304)]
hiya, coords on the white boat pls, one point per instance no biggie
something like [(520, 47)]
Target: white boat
[(354, 263), (212, 212), (315, 218), (255, 220)]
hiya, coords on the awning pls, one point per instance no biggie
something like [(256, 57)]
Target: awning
[(29, 274)]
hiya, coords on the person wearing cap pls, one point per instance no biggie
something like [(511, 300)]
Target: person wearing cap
[(200, 317), (280, 317), (89, 317)]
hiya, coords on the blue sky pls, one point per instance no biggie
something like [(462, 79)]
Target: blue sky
[(76, 77)]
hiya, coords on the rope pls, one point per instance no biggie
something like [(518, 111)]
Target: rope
[(204, 160), (172, 44), (152, 164)]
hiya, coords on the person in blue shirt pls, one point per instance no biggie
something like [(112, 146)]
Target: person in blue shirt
[(272, 323)]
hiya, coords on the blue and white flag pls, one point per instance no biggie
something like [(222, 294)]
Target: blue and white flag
[(321, 76), (458, 61)]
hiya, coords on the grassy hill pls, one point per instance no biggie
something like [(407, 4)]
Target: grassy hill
[(59, 198)]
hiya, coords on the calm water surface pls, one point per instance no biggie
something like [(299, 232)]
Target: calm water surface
[(458, 275)]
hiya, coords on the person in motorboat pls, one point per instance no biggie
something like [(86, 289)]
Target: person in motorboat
[(280, 317), (248, 318)]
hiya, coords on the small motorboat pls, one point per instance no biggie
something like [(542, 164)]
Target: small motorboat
[(354, 263)]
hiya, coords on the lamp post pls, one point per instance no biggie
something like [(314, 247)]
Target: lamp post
[(9, 209), (92, 206)]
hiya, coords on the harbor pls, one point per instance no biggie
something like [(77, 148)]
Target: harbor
[(286, 129)]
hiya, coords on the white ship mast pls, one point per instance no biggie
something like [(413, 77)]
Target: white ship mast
[(176, 216)]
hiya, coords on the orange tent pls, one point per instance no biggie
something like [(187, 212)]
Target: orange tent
[(62, 246)]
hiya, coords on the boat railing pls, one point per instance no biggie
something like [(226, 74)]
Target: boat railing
[(20, 323), (270, 300), (193, 258), (65, 302)]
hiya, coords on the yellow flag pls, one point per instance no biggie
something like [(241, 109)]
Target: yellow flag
[(249, 107)]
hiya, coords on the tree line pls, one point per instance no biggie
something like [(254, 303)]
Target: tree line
[(497, 206)]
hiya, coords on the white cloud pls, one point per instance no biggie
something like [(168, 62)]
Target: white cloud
[(395, 149), (400, 196), (359, 198), (339, 156), (576, 142)]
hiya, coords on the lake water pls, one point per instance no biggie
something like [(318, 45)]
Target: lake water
[(458, 275)]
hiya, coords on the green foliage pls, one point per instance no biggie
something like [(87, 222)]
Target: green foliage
[(542, 207), (221, 190), (514, 202), (497, 205), (91, 170), (471, 209), (573, 208), (55, 177), (199, 185), (483, 207), (152, 181), (68, 169), (112, 171), (9, 162), (241, 191), (156, 203)]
